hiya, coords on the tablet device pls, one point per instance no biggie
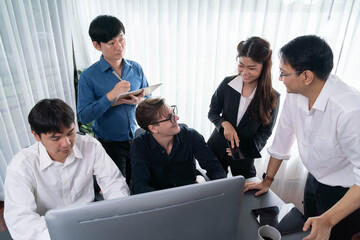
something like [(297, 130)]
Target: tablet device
[(247, 149), (286, 218), (147, 91)]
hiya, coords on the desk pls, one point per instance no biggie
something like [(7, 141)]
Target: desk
[(248, 226)]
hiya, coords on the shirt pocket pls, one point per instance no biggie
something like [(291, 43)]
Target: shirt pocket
[(84, 187)]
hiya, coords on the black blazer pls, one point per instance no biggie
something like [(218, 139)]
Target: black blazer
[(224, 106)]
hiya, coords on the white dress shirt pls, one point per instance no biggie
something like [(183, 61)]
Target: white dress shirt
[(237, 84), (328, 135), (35, 184)]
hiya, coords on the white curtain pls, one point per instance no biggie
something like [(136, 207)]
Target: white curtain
[(36, 62), (190, 46)]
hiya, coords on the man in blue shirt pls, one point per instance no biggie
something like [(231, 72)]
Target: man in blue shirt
[(102, 83), (164, 156)]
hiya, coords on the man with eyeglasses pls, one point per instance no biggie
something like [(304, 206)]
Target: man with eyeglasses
[(164, 156), (101, 84), (322, 113)]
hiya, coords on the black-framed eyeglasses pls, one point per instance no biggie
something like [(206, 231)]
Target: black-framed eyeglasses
[(171, 117), (287, 74)]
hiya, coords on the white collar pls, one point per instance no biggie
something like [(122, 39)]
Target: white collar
[(46, 161), (237, 84), (322, 99)]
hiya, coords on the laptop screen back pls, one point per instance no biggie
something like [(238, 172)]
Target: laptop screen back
[(199, 211)]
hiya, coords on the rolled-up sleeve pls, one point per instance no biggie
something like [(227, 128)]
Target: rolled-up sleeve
[(349, 139), (284, 136)]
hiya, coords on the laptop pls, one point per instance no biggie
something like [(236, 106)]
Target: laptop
[(208, 210)]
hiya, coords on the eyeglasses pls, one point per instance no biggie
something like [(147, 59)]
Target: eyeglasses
[(287, 74), (171, 118)]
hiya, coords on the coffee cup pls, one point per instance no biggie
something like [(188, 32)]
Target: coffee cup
[(268, 233)]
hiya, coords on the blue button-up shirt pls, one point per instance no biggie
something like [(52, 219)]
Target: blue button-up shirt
[(110, 123)]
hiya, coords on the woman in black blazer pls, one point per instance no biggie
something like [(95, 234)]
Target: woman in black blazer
[(244, 107)]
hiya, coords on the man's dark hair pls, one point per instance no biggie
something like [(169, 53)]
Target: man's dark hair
[(104, 28), (308, 52), (149, 111), (50, 115)]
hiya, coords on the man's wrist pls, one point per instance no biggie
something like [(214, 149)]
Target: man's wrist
[(267, 178), (110, 97)]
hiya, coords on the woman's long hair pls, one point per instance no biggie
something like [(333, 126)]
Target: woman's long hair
[(264, 101)]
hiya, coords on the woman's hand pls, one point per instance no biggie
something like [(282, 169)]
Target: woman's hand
[(230, 134)]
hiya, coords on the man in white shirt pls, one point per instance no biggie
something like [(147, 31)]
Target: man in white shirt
[(323, 113), (57, 171)]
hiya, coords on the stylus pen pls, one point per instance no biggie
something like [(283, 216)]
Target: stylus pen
[(117, 75)]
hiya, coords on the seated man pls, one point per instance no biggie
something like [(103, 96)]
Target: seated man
[(163, 157), (57, 171)]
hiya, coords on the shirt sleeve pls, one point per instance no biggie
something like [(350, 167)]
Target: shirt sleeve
[(349, 139), (216, 107), (108, 176), (20, 208), (144, 82), (285, 134), (206, 158), (88, 107), (140, 167)]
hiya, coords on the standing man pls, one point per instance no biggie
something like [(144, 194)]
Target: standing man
[(164, 157), (57, 171), (102, 83), (322, 113)]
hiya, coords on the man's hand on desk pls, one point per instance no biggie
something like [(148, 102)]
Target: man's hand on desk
[(263, 187), (320, 228)]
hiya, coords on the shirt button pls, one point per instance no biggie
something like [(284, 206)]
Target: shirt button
[(163, 152)]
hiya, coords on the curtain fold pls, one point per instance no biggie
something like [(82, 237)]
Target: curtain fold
[(188, 45), (35, 63)]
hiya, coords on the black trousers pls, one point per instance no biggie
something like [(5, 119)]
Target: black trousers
[(119, 153), (244, 167), (318, 198)]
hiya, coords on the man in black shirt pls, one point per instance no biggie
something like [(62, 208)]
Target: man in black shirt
[(164, 156)]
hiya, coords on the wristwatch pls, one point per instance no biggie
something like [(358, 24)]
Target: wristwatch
[(265, 177)]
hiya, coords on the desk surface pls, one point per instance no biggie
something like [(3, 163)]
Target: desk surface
[(248, 226)]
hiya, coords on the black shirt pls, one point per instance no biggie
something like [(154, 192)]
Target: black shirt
[(153, 169)]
